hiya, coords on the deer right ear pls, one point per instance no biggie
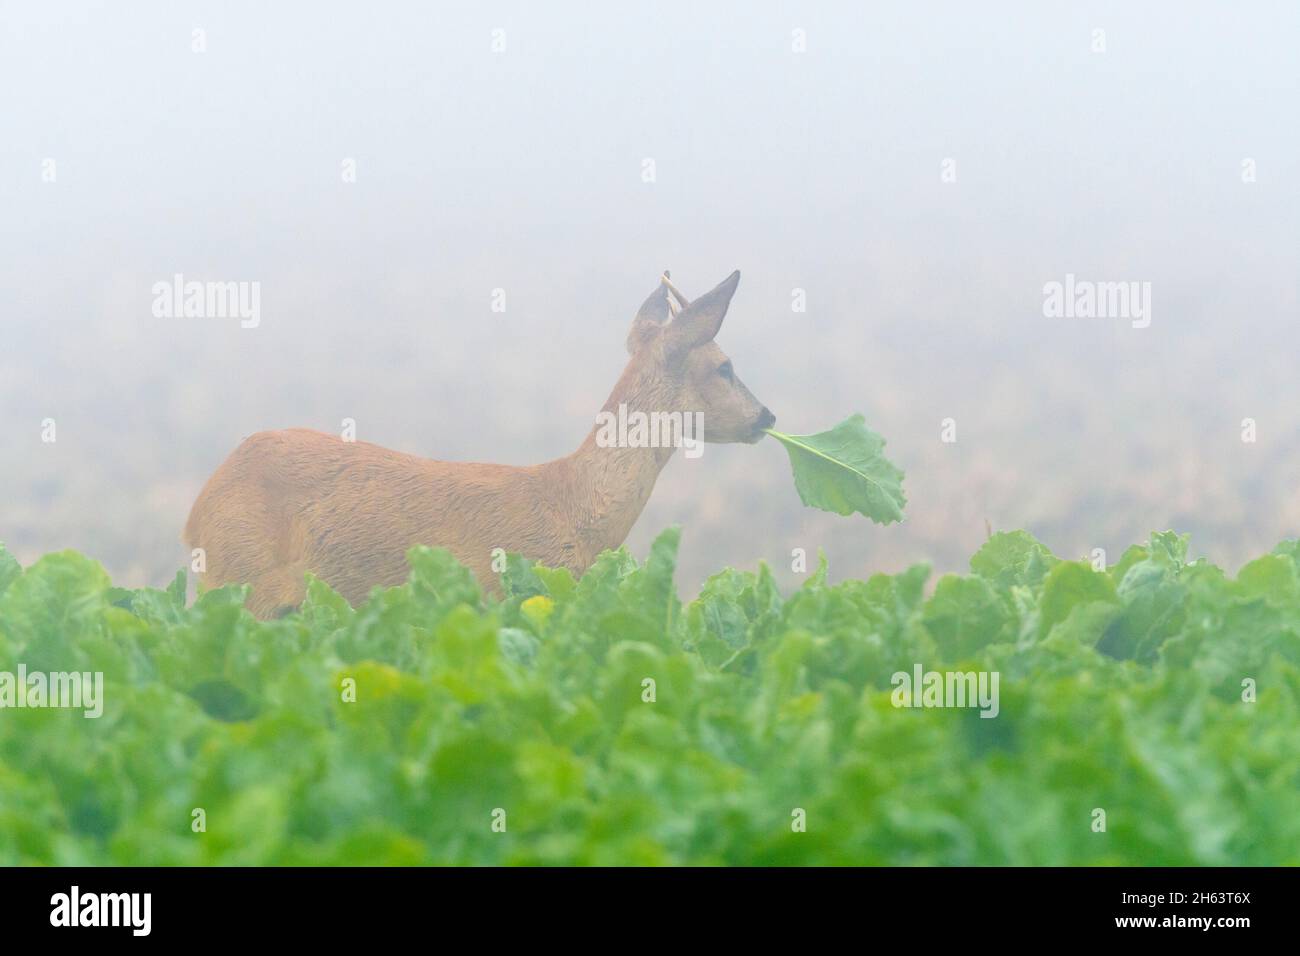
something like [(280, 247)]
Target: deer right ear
[(699, 322), (650, 319)]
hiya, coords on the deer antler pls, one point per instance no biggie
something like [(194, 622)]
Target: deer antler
[(682, 301)]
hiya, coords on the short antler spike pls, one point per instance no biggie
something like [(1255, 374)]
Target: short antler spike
[(682, 301)]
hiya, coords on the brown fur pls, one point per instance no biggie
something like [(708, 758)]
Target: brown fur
[(288, 502)]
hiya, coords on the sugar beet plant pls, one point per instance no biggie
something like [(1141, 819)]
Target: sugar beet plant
[(1148, 714)]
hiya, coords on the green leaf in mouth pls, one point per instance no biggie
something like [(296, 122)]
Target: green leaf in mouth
[(844, 470)]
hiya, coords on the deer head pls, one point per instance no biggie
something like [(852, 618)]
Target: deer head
[(678, 362)]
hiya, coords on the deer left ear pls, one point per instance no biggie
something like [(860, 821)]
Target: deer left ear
[(650, 319), (699, 322)]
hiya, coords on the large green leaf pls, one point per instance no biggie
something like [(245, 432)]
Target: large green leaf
[(844, 470), (964, 615), (10, 570)]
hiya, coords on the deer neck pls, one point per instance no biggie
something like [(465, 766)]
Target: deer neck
[(606, 486)]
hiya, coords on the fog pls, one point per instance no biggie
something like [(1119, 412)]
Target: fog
[(920, 171)]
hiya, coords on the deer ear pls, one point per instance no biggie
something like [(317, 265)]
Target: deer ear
[(650, 319), (699, 322)]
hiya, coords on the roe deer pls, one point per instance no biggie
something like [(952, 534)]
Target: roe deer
[(288, 502)]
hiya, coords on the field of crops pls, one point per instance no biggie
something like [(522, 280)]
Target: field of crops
[(1147, 714)]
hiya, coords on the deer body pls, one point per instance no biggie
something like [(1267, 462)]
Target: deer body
[(288, 502)]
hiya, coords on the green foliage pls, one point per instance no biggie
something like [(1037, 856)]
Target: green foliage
[(613, 725), (844, 470)]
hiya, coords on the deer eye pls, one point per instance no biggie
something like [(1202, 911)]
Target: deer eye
[(726, 371)]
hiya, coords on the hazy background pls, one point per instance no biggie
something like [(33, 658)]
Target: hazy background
[(522, 170)]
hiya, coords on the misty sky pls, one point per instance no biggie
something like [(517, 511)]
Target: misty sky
[(522, 170)]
